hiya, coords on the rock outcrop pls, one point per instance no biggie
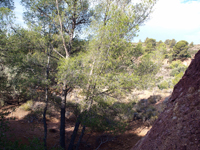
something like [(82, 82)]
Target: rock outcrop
[(178, 126)]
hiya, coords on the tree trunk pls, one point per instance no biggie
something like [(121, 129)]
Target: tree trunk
[(78, 121), (44, 121), (62, 117), (45, 109), (80, 138)]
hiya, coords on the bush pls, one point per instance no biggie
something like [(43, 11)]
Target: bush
[(167, 41), (177, 78), (154, 99), (175, 64), (27, 106), (172, 43), (151, 41), (177, 67), (163, 85), (191, 44), (180, 50), (176, 71), (138, 51), (193, 52), (150, 45), (146, 66)]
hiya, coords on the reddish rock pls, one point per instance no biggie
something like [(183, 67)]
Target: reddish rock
[(178, 126)]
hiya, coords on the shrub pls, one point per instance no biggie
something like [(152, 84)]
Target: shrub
[(27, 106), (191, 44), (146, 66), (167, 41), (163, 85), (193, 52), (177, 67), (175, 64), (177, 78), (178, 70), (151, 41), (154, 99), (180, 50), (172, 43), (138, 51)]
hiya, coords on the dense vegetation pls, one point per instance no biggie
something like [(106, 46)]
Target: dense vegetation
[(50, 59)]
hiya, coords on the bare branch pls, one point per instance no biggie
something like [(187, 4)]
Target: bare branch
[(61, 31)]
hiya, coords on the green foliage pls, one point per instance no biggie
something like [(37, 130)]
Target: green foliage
[(146, 66), (160, 42), (6, 18), (167, 42), (101, 67), (191, 44), (163, 50), (152, 41), (172, 43), (73, 71), (177, 78), (193, 52), (7, 4), (146, 70), (107, 115), (180, 50), (177, 67), (163, 85), (27, 106), (138, 51), (146, 40), (78, 46), (176, 64), (149, 48), (178, 70), (150, 45)]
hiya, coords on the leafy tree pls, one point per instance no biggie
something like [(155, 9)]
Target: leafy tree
[(180, 50), (150, 45), (146, 71), (101, 66), (138, 51), (149, 48), (191, 44), (65, 18), (159, 42), (177, 78), (146, 40), (163, 85), (104, 75), (167, 42), (152, 41), (7, 4), (172, 43)]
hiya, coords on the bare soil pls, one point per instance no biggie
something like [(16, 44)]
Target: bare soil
[(24, 126), (23, 129)]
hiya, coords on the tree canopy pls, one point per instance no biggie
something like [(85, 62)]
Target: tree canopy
[(50, 56), (180, 50)]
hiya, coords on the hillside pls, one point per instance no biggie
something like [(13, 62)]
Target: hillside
[(178, 126), (115, 123)]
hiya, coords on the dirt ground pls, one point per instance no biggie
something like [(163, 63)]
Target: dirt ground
[(24, 128)]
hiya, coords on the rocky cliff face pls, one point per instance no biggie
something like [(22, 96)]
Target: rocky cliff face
[(178, 126)]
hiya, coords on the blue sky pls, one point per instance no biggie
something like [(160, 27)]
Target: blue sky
[(178, 19)]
